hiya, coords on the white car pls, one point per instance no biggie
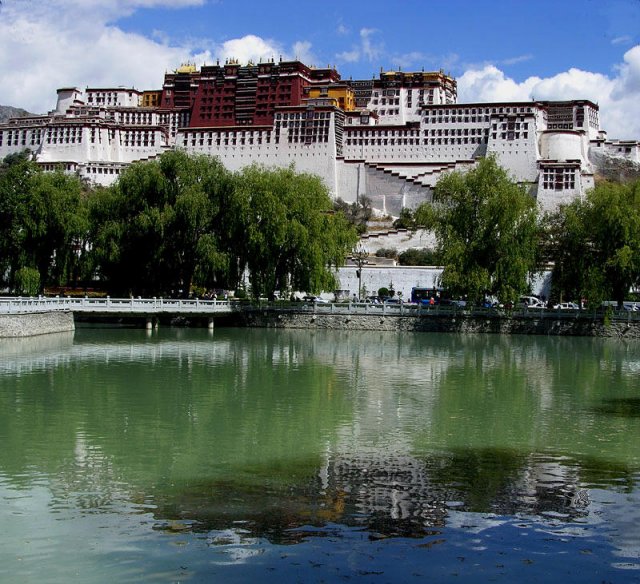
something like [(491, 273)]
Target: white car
[(532, 302), (566, 306), (315, 299)]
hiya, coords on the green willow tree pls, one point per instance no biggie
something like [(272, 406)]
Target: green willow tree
[(486, 227), (55, 226), (183, 221), (596, 244), (15, 179), (43, 222), (283, 230), (156, 231)]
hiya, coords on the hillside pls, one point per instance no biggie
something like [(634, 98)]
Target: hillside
[(7, 111)]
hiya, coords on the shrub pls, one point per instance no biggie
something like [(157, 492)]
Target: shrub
[(387, 252), (420, 257), (27, 281)]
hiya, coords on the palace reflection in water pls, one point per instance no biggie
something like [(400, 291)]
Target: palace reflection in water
[(267, 433)]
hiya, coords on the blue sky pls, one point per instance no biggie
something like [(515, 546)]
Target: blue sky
[(497, 49)]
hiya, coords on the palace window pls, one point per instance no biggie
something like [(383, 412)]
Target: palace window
[(559, 178)]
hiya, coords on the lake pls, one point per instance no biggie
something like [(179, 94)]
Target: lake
[(183, 455)]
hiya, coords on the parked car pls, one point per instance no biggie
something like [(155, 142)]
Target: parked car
[(566, 306), (392, 301), (531, 302), (315, 299)]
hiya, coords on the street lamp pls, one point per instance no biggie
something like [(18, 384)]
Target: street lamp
[(359, 255)]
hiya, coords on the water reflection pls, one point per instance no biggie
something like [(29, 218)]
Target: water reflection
[(402, 496), (243, 435)]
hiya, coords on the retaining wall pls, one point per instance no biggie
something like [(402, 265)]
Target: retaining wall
[(595, 327), (39, 323)]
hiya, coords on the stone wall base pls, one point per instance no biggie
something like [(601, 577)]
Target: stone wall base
[(445, 323), (39, 323)]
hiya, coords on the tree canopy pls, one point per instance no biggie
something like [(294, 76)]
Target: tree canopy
[(285, 233), (486, 228), (156, 231), (596, 244), (184, 221), (44, 220)]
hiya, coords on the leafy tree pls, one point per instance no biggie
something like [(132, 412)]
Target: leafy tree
[(406, 220), (486, 228), (156, 230), (43, 221), (285, 233), (357, 213), (54, 225), (596, 244), (16, 172)]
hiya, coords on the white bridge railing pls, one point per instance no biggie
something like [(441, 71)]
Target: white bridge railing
[(171, 306), (17, 305)]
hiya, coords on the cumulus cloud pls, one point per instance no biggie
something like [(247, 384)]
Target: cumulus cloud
[(61, 43), (302, 51), (617, 95), (249, 48), (46, 45)]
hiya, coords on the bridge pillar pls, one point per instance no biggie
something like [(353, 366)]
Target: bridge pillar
[(149, 323), (210, 324)]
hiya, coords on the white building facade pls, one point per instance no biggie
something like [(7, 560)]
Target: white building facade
[(393, 147)]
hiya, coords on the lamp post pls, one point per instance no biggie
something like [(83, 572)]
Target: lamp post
[(359, 255)]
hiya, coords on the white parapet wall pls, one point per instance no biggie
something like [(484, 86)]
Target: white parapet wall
[(404, 278)]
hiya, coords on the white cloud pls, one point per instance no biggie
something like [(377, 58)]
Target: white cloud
[(349, 56), (250, 48), (342, 29), (408, 60), (370, 49), (255, 48), (302, 51), (367, 49), (61, 43), (618, 95), (516, 60), (46, 45), (622, 40)]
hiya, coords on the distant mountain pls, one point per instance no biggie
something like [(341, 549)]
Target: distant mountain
[(6, 112)]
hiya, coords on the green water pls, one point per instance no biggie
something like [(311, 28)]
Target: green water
[(237, 455)]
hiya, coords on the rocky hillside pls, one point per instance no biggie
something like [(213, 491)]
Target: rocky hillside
[(7, 111), (615, 169)]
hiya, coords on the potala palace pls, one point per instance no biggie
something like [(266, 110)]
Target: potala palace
[(389, 138)]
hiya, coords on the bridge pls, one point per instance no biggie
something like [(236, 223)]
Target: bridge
[(153, 308), (148, 308)]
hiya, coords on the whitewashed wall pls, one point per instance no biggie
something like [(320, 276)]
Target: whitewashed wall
[(404, 278)]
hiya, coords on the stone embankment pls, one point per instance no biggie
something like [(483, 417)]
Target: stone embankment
[(37, 323), (459, 323)]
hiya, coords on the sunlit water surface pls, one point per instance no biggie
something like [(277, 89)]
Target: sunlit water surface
[(311, 456)]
